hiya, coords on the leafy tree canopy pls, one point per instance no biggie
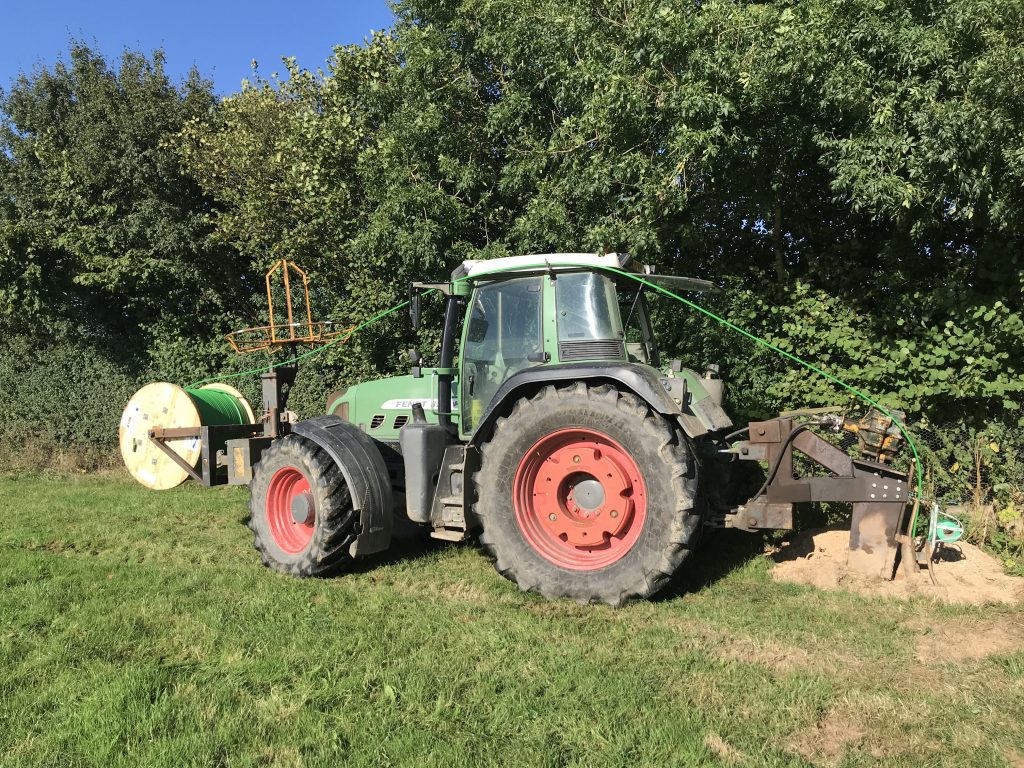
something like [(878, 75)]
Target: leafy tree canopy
[(851, 171), (100, 226)]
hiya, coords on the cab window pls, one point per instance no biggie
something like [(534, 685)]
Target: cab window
[(587, 307), (503, 332)]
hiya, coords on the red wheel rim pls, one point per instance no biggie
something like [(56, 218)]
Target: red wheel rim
[(290, 510), (579, 499)]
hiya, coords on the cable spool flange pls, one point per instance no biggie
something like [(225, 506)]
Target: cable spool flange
[(166, 405)]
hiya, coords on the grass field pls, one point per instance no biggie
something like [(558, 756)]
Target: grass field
[(138, 628)]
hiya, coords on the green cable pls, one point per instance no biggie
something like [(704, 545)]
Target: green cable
[(638, 278), (794, 358), (217, 407), (732, 326)]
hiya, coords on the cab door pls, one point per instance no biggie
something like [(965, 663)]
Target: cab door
[(502, 336)]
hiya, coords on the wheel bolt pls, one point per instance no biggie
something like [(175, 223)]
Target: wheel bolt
[(575, 459), (552, 517), (614, 513)]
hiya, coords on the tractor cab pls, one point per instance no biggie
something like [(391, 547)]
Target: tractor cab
[(517, 322), (512, 323), (526, 313)]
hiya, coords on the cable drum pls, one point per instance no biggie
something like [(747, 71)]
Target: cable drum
[(166, 405), (221, 404)]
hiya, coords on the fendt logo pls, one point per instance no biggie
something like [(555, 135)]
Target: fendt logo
[(405, 405)]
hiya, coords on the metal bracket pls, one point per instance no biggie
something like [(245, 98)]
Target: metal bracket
[(445, 287), (212, 439), (277, 384), (758, 514), (878, 492), (158, 435)]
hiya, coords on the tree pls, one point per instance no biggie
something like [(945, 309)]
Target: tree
[(101, 231), (108, 275), (851, 171)]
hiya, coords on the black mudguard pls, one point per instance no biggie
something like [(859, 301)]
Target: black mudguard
[(365, 473), (642, 380), (657, 391)]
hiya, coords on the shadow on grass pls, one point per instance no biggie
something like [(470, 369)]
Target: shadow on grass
[(720, 552), (410, 542), (402, 550)]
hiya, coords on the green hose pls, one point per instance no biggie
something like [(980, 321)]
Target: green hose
[(664, 291)]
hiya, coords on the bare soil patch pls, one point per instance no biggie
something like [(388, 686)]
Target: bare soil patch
[(966, 575), (959, 640), (723, 749), (825, 743)]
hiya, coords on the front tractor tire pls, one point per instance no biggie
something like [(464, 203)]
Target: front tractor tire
[(584, 493), (300, 511)]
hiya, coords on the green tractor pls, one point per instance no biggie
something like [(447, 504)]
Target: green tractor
[(551, 428)]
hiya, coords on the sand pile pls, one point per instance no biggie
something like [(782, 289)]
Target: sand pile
[(965, 573)]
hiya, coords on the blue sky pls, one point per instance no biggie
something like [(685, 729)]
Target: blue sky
[(221, 37)]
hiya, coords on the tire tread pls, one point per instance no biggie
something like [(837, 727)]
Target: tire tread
[(328, 552), (656, 566)]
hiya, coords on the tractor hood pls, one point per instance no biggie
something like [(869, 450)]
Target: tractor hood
[(381, 407)]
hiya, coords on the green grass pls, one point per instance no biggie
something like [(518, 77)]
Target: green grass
[(138, 628)]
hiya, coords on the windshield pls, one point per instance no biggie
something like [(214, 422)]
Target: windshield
[(587, 307)]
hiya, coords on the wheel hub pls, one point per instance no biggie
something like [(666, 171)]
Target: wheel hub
[(588, 494), (579, 499), (290, 509), (302, 508)]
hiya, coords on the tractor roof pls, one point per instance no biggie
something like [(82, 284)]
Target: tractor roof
[(541, 262), (509, 266)]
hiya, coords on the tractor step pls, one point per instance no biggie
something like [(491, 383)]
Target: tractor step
[(448, 512), (447, 534), (452, 521)]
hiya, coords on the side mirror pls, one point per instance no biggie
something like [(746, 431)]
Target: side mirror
[(414, 308), (416, 359)]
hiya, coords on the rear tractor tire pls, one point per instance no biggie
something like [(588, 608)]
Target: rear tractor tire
[(300, 510), (586, 494)]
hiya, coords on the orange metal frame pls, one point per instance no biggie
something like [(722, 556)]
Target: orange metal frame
[(284, 265), (265, 337)]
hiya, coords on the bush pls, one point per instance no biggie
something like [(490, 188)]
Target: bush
[(63, 399)]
